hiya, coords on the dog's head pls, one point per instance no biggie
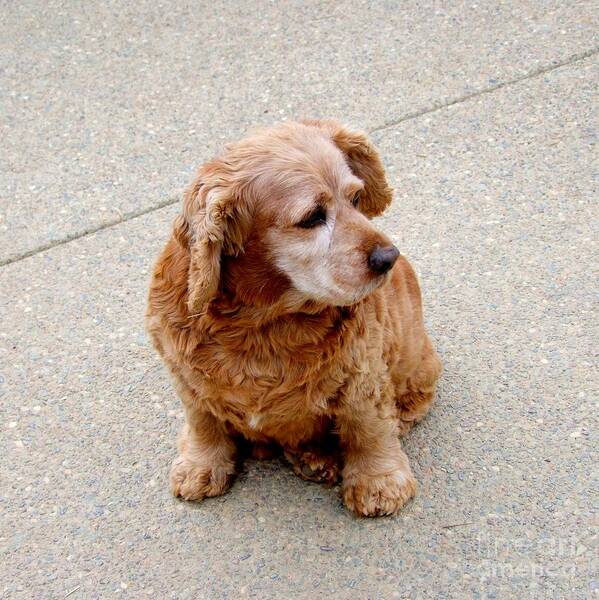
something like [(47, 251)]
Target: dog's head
[(285, 213)]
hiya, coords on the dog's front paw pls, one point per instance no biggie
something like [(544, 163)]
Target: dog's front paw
[(196, 480), (374, 496)]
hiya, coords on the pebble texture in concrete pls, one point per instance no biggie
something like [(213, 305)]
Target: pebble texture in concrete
[(496, 207), (108, 106)]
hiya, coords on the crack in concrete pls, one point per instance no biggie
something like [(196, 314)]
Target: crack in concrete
[(89, 231), (489, 90), (407, 117)]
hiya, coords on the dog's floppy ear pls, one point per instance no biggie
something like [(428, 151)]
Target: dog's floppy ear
[(218, 222), (363, 160)]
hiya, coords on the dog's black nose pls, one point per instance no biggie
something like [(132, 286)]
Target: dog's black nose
[(382, 259)]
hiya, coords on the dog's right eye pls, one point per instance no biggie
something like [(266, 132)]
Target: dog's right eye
[(314, 219)]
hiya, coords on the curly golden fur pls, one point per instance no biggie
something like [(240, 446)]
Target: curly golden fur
[(286, 319)]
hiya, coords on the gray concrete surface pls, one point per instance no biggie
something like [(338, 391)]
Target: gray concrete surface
[(496, 206), (107, 107)]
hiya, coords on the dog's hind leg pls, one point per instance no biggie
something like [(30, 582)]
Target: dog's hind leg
[(312, 465), (416, 398), (318, 460)]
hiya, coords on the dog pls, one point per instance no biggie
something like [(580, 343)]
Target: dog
[(286, 319)]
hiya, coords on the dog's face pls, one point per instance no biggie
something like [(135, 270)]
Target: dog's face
[(289, 217)]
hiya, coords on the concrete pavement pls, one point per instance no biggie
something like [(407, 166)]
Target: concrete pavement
[(109, 107), (487, 122)]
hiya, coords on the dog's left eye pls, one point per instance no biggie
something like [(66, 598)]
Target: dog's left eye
[(355, 201), (315, 218)]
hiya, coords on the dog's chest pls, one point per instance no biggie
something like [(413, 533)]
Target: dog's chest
[(269, 405), (267, 393), (288, 418)]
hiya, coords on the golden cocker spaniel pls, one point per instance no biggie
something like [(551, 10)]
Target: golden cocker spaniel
[(288, 320)]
